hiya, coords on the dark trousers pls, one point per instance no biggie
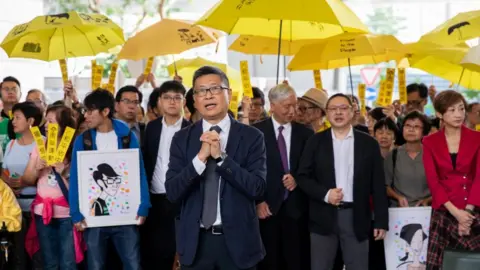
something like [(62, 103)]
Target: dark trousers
[(282, 238), (212, 254), (20, 256), (157, 235)]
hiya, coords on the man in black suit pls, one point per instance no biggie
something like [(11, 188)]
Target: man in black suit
[(283, 207), (158, 232), (340, 169), (216, 173)]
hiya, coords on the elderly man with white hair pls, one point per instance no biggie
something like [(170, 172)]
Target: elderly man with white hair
[(282, 209)]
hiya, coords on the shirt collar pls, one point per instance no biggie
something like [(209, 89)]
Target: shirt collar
[(224, 124), (276, 125), (349, 135), (176, 124)]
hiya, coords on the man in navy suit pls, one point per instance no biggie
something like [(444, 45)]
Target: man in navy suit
[(217, 171)]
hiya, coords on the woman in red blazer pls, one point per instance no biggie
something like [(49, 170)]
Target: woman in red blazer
[(452, 165)]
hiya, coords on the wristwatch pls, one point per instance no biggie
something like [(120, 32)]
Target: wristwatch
[(221, 158)]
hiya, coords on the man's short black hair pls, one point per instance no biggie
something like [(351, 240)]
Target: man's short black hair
[(128, 89), (100, 99), (471, 105), (208, 70), (420, 116), (257, 93), (29, 110), (421, 88), (190, 102), (11, 79), (377, 113), (340, 95)]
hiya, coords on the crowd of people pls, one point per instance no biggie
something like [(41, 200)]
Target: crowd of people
[(304, 185)]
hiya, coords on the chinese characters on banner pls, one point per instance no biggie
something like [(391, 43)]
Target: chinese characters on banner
[(247, 86)]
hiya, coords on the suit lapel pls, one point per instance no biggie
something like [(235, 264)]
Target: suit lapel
[(329, 155), (194, 140), (271, 142), (156, 141), (234, 139), (295, 148)]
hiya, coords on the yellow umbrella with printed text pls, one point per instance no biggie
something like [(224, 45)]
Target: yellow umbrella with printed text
[(267, 45), (60, 36), (167, 37), (283, 19), (347, 50)]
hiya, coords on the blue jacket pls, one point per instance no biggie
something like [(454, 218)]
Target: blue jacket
[(122, 130)]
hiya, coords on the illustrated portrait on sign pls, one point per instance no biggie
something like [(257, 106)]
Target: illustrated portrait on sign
[(108, 182), (415, 240)]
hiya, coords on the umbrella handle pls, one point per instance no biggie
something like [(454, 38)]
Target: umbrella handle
[(175, 65), (279, 49), (350, 72), (459, 80)]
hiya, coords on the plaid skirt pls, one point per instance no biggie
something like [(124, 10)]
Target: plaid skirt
[(444, 235)]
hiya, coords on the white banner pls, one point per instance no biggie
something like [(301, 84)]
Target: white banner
[(406, 242)]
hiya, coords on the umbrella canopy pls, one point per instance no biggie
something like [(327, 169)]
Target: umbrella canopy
[(471, 60), (61, 36), (462, 27), (348, 49), (300, 19), (266, 45), (167, 37)]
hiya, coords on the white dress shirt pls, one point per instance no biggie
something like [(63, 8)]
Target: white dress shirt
[(343, 161), (200, 166), (163, 156), (287, 135)]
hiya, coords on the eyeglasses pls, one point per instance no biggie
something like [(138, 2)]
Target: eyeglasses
[(128, 101), (176, 99), (36, 101), (304, 109), (214, 90), (415, 127), (13, 89), (342, 109), (113, 180)]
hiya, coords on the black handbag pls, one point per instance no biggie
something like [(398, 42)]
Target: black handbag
[(460, 260)]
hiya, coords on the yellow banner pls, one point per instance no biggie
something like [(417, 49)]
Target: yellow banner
[(389, 82), (148, 67), (37, 136), (113, 76), (52, 143), (477, 127), (361, 96), (317, 76), (97, 81), (94, 67), (10, 114), (234, 103), (247, 86), (64, 144), (64, 69), (402, 85), (381, 94)]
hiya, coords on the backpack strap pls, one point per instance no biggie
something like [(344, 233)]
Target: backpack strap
[(61, 184), (394, 162), (87, 140)]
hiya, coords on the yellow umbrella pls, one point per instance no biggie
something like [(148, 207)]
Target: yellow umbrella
[(462, 27), (61, 36), (266, 45), (167, 37), (283, 19), (346, 50), (447, 70), (289, 19), (187, 67)]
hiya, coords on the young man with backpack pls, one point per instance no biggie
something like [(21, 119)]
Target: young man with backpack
[(106, 133)]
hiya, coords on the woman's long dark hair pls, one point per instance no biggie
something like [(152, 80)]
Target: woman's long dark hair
[(65, 118)]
